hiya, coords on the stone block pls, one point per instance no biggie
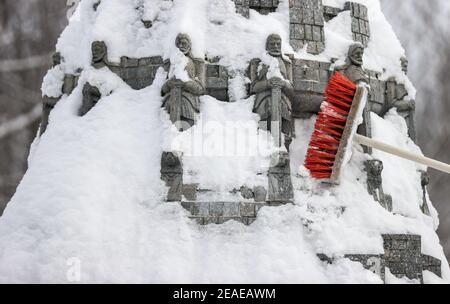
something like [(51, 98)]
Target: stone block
[(190, 192), (187, 206), (296, 16), (201, 209), (260, 194), (216, 209), (363, 12), (231, 209), (312, 47), (247, 210), (317, 33), (297, 31), (308, 17), (318, 18), (355, 25), (320, 45), (297, 44)]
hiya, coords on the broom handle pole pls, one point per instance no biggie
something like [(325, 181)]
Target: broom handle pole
[(402, 153)]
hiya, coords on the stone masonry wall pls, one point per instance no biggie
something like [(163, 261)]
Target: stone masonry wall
[(360, 22), (306, 25)]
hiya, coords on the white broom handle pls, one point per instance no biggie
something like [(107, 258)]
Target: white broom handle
[(402, 153)]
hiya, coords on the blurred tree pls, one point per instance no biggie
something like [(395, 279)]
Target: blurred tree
[(28, 33), (423, 28)]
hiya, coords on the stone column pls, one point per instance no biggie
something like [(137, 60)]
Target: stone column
[(306, 25)]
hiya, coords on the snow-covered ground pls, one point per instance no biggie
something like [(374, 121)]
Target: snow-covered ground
[(92, 198)]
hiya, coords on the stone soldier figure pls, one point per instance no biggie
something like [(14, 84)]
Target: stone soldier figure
[(353, 70), (274, 95), (181, 98), (396, 96)]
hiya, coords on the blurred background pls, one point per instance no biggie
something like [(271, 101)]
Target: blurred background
[(29, 30)]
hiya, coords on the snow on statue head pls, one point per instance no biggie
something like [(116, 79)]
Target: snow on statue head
[(273, 45), (355, 54), (184, 44)]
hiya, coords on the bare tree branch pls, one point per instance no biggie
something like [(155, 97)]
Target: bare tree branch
[(21, 122), (33, 62)]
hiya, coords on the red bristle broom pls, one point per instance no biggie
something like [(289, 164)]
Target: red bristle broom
[(335, 130)]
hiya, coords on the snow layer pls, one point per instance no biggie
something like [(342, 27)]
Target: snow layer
[(93, 197)]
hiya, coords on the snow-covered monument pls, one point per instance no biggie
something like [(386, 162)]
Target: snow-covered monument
[(162, 158)]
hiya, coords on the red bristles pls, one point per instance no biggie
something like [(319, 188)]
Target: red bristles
[(329, 127)]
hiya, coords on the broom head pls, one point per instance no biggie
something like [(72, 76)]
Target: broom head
[(333, 128)]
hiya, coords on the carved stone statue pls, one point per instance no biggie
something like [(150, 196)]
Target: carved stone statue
[(396, 95), (425, 181), (99, 54), (274, 95), (181, 98), (353, 70), (91, 95), (374, 169), (280, 183), (172, 175)]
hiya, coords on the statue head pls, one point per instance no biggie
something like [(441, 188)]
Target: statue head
[(57, 59), (184, 44), (99, 52), (355, 54), (404, 62), (171, 162), (273, 45), (425, 179), (374, 167)]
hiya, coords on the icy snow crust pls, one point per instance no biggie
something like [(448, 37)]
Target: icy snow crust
[(93, 197)]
